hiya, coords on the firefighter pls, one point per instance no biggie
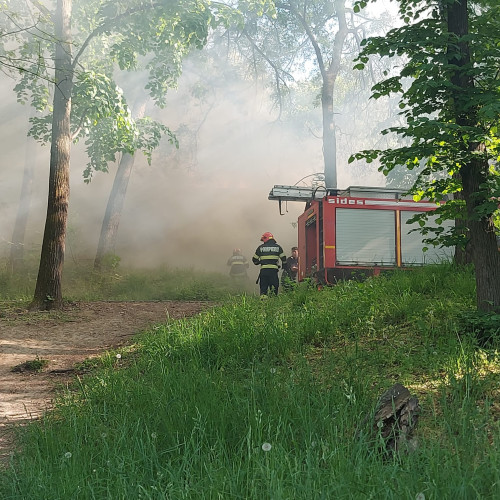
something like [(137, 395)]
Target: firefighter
[(289, 276), (268, 256), (238, 265)]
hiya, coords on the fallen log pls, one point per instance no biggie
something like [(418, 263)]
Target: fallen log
[(395, 419)]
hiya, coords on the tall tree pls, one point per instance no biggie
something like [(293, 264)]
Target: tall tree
[(149, 137), (295, 33), (18, 22), (17, 246), (450, 97), (116, 200), (84, 97), (48, 293)]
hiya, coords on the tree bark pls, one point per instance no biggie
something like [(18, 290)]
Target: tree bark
[(48, 291), (462, 255), (329, 76), (474, 174), (111, 221), (484, 249), (116, 200), (329, 137)]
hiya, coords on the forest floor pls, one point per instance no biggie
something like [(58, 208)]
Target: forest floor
[(64, 338)]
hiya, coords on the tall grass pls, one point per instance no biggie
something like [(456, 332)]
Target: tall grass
[(81, 282), (267, 399)]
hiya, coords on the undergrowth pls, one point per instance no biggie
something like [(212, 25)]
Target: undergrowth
[(266, 399), (82, 282)]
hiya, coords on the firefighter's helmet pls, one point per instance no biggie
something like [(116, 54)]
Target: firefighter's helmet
[(266, 236)]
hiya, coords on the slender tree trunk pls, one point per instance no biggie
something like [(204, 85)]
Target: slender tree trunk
[(16, 256), (329, 137), (116, 200), (111, 221), (329, 76), (484, 249), (48, 292), (463, 254), (329, 72)]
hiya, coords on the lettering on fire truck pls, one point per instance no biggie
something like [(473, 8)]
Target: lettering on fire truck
[(386, 203), (346, 201)]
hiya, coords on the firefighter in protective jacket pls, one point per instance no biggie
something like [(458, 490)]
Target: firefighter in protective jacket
[(268, 256), (238, 265)]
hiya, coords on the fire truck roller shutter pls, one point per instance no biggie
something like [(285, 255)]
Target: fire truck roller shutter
[(365, 237), (412, 245)]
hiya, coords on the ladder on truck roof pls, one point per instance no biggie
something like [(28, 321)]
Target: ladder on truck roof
[(374, 192), (296, 193), (300, 193)]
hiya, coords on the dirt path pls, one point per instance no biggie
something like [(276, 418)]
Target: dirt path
[(80, 331)]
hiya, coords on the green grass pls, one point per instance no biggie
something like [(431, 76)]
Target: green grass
[(34, 365), (81, 282), (184, 412)]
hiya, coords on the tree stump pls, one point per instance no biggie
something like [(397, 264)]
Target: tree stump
[(395, 419)]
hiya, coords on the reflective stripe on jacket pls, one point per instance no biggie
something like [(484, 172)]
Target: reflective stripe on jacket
[(239, 265), (268, 255)]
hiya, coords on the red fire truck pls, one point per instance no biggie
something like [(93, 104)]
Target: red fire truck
[(344, 233)]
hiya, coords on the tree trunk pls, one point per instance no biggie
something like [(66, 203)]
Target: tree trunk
[(329, 77), (484, 249), (462, 255), (16, 256), (116, 200), (329, 137), (329, 72), (48, 292), (111, 221)]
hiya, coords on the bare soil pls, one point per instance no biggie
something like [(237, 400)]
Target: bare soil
[(64, 338)]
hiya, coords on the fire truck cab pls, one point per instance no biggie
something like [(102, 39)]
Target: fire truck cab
[(357, 231)]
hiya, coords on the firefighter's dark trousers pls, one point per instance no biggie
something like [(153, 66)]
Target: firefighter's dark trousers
[(269, 281)]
